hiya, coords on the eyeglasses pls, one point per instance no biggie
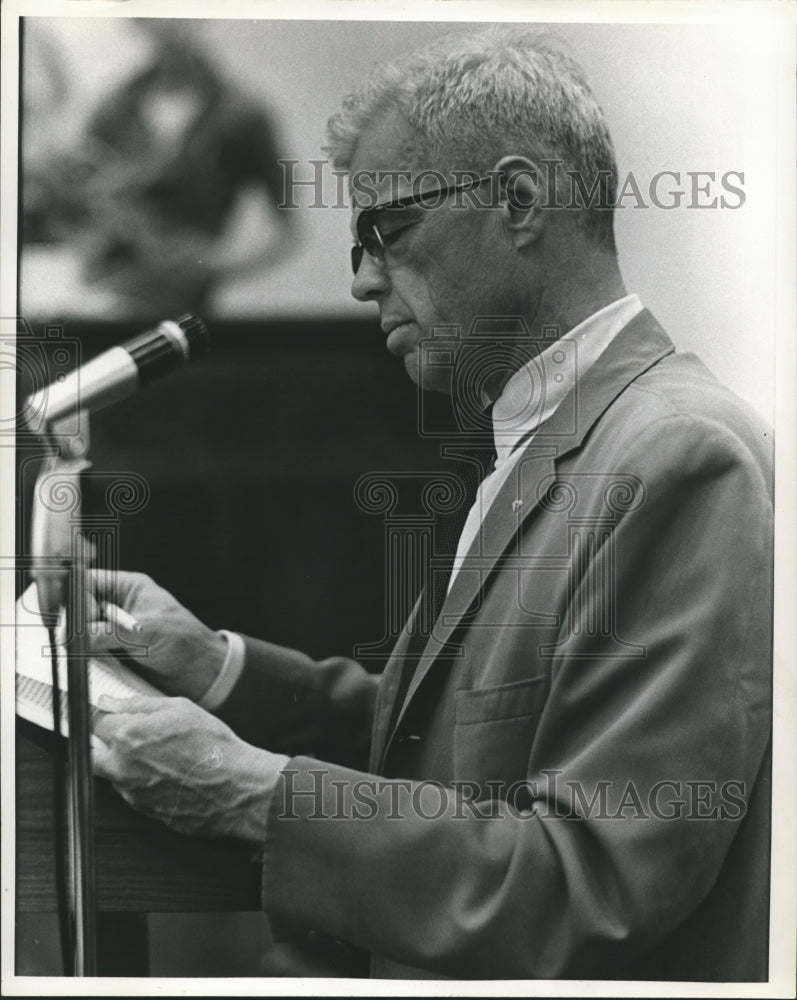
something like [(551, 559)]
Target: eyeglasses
[(379, 226)]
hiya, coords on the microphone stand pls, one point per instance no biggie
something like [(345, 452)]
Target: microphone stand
[(60, 559)]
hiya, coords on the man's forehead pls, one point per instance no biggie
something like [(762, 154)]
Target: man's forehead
[(388, 143), (385, 159)]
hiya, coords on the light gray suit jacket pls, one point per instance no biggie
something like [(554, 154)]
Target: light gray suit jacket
[(598, 683)]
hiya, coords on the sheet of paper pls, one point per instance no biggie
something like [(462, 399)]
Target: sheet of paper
[(34, 691)]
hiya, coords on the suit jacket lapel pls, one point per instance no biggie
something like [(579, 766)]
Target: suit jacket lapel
[(638, 346), (388, 689)]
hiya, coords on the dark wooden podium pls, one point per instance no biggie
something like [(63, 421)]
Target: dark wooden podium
[(141, 866)]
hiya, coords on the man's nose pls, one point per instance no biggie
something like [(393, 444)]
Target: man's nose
[(370, 281)]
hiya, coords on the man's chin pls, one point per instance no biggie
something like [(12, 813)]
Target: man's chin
[(427, 377)]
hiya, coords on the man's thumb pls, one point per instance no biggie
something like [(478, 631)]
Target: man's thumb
[(138, 703)]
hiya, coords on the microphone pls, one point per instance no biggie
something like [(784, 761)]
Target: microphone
[(122, 370)]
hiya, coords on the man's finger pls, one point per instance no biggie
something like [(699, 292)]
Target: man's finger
[(120, 618), (104, 585), (139, 703), (93, 612), (107, 703), (115, 586), (103, 727), (108, 718), (101, 758), (104, 634), (111, 625)]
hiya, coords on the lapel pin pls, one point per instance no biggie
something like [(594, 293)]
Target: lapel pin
[(517, 504)]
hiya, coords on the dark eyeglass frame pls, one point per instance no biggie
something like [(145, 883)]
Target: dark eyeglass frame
[(374, 243)]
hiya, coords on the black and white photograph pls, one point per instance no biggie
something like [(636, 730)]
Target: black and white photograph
[(399, 571)]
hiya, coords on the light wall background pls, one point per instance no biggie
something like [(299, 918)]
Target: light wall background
[(677, 97)]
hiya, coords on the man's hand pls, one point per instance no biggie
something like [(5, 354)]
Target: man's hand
[(174, 649), (175, 762)]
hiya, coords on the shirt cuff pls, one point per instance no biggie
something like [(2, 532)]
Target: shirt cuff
[(231, 670)]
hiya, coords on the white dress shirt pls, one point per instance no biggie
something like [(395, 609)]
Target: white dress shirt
[(528, 399), (532, 395)]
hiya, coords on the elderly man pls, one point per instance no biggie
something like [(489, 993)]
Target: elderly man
[(563, 771)]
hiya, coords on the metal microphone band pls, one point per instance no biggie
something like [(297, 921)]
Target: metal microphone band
[(155, 353), (175, 332)]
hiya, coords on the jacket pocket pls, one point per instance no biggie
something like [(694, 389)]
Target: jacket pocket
[(494, 731)]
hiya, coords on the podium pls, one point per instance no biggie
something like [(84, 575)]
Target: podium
[(141, 865)]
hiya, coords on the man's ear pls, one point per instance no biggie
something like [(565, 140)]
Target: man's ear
[(520, 198)]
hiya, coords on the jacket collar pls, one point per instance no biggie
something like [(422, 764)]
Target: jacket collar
[(638, 346)]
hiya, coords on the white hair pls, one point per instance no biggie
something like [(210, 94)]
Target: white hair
[(479, 96)]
